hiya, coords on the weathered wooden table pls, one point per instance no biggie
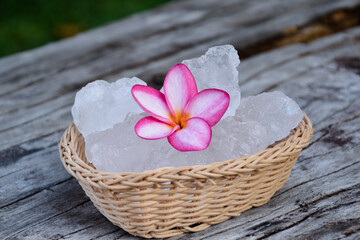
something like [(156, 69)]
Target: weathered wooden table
[(40, 200)]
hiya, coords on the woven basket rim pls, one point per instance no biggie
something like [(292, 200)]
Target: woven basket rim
[(228, 167)]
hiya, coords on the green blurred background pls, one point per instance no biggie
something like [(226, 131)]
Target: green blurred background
[(29, 24)]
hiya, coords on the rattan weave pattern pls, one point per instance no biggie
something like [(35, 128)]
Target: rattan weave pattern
[(169, 201)]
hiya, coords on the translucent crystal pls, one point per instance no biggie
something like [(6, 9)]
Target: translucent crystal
[(231, 139), (100, 105), (274, 110), (218, 69), (261, 120), (119, 149)]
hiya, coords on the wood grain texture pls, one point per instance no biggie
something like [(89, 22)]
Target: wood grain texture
[(320, 200)]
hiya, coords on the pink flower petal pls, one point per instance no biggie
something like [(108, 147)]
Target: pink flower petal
[(151, 128), (153, 102), (194, 136), (209, 104), (179, 88)]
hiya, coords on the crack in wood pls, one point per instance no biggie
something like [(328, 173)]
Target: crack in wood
[(82, 229), (337, 138), (352, 63), (67, 105), (336, 112), (327, 129), (13, 154), (286, 61), (317, 178), (325, 25), (10, 173), (47, 219), (303, 207), (276, 231), (32, 193), (125, 234)]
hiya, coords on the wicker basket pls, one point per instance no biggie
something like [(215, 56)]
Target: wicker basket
[(170, 201)]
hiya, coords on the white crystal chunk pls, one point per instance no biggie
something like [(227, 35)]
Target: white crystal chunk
[(100, 104), (119, 149), (274, 110), (218, 69)]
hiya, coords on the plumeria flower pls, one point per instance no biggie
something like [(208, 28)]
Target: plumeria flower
[(182, 114)]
